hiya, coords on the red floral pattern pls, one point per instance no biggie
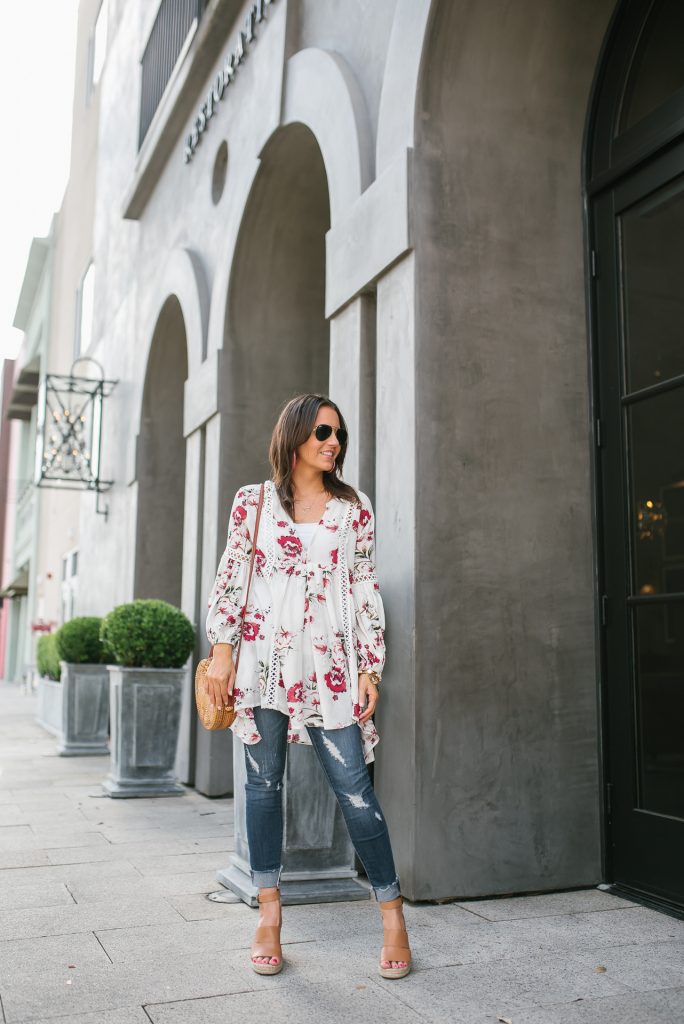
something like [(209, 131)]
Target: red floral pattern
[(301, 603)]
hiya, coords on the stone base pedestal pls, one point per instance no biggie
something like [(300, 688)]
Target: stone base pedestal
[(318, 856), (114, 788), (306, 887)]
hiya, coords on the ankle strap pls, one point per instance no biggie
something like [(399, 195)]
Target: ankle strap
[(268, 897)]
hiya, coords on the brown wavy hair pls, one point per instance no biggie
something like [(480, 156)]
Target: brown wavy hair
[(294, 427)]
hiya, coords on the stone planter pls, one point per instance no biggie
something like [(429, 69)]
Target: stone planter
[(85, 709), (50, 698), (145, 706)]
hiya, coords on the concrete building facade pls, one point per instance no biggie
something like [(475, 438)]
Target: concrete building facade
[(389, 202), (20, 582), (55, 312)]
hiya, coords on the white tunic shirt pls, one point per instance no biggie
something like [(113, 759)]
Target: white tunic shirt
[(314, 620)]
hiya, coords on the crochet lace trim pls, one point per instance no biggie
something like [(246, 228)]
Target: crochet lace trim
[(368, 577), (343, 577)]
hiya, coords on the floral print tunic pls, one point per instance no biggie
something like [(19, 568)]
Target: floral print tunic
[(314, 620)]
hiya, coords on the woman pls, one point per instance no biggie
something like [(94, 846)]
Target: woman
[(311, 657)]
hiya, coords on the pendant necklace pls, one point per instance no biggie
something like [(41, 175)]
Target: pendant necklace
[(306, 508)]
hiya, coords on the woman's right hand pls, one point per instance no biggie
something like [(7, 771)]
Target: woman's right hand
[(220, 677)]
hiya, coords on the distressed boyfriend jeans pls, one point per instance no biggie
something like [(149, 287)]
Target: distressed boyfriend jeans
[(341, 756)]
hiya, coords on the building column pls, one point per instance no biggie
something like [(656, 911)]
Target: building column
[(396, 761), (352, 386), (192, 602), (214, 753)]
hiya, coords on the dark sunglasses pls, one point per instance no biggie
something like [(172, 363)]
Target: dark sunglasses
[(324, 430)]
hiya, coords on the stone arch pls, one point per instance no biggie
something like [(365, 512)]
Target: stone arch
[(317, 85), (160, 469), (396, 120), (322, 92), (276, 334), (183, 277)]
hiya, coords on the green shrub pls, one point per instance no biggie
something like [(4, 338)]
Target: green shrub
[(78, 641), (47, 657), (148, 634)]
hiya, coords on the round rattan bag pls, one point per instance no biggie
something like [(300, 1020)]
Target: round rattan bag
[(211, 716)]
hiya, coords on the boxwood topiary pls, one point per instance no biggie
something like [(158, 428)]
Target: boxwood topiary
[(78, 641), (148, 634), (47, 658)]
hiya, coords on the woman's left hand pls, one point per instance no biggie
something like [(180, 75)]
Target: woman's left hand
[(368, 696)]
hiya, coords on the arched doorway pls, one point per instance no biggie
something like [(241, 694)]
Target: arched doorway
[(277, 336), (277, 341), (161, 462), (635, 186)]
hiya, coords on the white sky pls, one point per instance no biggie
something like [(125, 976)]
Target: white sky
[(37, 54)]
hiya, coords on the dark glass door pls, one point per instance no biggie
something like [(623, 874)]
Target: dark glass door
[(639, 235)]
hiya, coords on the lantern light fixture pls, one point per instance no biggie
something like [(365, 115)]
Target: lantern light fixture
[(69, 432)]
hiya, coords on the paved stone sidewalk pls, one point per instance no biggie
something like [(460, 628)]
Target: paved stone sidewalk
[(104, 920)]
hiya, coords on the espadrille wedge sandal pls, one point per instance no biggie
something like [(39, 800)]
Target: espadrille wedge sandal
[(396, 945), (267, 939)]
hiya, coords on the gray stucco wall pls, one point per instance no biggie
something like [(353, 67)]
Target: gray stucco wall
[(506, 706), (488, 765)]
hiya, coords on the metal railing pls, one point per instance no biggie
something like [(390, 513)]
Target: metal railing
[(174, 20)]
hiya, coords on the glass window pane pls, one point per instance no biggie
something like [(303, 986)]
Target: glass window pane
[(657, 69), (659, 642), (652, 261), (656, 427)]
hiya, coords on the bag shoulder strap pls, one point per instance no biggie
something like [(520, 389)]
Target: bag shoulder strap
[(251, 569)]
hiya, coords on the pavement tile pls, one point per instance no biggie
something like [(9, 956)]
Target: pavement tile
[(551, 904), (59, 824), (316, 1002), (505, 987), (47, 895), (46, 800), (644, 966), (22, 859), (67, 873), (234, 931), (30, 841), (186, 884), (10, 814), (637, 924), (196, 907), (145, 938), (125, 1015), (64, 993), (19, 957), (634, 1008), (62, 920), (143, 852), (178, 864), (9, 833)]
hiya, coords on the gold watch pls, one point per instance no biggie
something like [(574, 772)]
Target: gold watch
[(374, 678)]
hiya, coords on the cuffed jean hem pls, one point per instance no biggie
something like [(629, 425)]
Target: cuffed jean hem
[(387, 892), (267, 879)]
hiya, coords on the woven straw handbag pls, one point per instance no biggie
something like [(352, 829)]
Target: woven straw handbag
[(211, 716)]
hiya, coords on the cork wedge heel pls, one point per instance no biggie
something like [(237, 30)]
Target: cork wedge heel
[(396, 945), (267, 939)]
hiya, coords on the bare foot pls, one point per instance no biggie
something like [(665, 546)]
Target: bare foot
[(269, 913)]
